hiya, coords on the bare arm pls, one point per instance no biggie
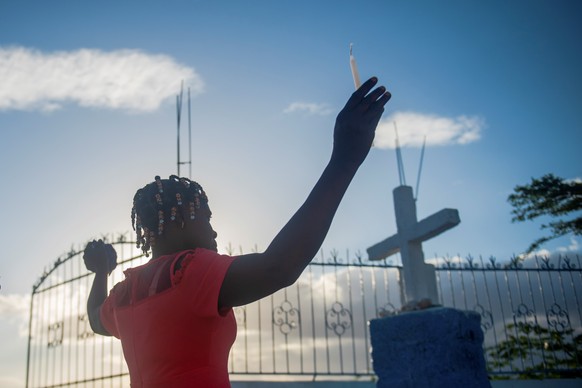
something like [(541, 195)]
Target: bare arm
[(99, 258), (252, 277), (96, 298)]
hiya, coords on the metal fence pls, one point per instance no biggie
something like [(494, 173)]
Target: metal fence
[(318, 327), (530, 311)]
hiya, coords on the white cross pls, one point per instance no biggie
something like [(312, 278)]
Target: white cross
[(419, 279)]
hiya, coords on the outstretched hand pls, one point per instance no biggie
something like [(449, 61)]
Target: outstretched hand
[(356, 124), (100, 257), (252, 277)]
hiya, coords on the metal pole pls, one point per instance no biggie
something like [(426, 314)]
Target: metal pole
[(420, 168), (178, 114), (29, 336), (178, 135), (189, 138), (399, 159)]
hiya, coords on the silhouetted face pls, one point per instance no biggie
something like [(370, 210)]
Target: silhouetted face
[(199, 232)]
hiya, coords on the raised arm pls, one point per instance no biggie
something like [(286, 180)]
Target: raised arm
[(252, 277), (101, 259)]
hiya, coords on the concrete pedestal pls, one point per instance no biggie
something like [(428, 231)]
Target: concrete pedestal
[(432, 348)]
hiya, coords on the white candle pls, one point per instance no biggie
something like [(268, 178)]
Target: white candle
[(354, 67)]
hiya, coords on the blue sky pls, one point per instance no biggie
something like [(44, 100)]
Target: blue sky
[(87, 116)]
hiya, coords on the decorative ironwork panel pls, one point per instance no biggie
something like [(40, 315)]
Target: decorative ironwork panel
[(84, 330), (55, 334), (524, 314), (486, 317), (558, 318), (286, 317), (338, 318)]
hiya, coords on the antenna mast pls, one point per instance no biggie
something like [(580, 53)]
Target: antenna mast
[(420, 167), (399, 159), (179, 99), (189, 137), (178, 114)]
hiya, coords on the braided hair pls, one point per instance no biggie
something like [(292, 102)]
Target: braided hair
[(162, 201)]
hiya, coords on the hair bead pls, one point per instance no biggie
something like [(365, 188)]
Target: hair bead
[(159, 184), (147, 241), (185, 182), (192, 210), (160, 222), (139, 235)]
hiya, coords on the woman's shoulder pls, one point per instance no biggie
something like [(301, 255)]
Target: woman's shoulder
[(199, 260), (203, 255)]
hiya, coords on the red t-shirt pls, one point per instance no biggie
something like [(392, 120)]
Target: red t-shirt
[(168, 321)]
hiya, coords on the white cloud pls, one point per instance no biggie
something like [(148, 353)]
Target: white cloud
[(123, 79), (309, 108), (556, 254), (442, 260), (439, 130), (573, 247), (541, 253), (14, 306)]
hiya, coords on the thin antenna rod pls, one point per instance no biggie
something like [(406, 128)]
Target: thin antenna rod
[(420, 167), (401, 175), (189, 137), (178, 114)]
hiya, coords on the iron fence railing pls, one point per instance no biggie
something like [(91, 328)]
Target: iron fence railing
[(319, 326), (530, 311)]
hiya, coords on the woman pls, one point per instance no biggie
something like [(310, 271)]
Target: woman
[(174, 314)]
